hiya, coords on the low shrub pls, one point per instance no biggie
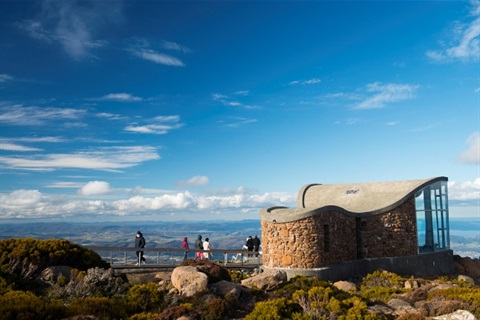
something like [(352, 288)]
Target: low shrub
[(27, 306), (469, 296), (278, 309), (101, 308), (145, 297)]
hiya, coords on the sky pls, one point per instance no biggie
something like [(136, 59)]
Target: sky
[(212, 110)]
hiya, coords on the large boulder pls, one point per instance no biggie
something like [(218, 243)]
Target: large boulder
[(224, 288), (189, 281), (346, 286), (268, 280), (467, 266), (52, 274)]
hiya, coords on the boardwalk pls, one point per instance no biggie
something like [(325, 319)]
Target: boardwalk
[(168, 258)]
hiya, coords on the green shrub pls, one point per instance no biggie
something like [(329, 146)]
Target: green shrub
[(102, 308), (470, 297), (20, 305), (213, 309), (299, 283), (145, 316), (237, 276), (382, 294), (278, 309), (382, 278), (26, 258), (145, 297)]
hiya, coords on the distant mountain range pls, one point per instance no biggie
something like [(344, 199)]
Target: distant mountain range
[(464, 233)]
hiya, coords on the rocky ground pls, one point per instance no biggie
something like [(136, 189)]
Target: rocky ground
[(189, 280)]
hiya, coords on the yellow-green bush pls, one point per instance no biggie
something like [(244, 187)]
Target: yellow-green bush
[(25, 258), (21, 305), (471, 297), (101, 308), (382, 278), (278, 309), (145, 297), (237, 276), (380, 285)]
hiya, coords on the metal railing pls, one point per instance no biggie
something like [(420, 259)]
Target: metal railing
[(174, 256)]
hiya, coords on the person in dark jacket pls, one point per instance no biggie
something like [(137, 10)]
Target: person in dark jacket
[(256, 245), (140, 243), (199, 246), (249, 244)]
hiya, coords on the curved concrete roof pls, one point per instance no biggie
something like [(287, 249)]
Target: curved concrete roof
[(357, 199)]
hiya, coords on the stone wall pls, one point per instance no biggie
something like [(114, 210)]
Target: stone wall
[(301, 243), (390, 234), (331, 237)]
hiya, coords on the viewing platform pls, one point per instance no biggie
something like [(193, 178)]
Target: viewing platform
[(122, 258)]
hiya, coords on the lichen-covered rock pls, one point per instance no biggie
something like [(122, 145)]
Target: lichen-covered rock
[(346, 286), (51, 275), (189, 281), (268, 280), (224, 288), (457, 315)]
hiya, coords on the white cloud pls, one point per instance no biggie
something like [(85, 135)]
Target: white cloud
[(36, 116), (16, 147), (5, 77), (382, 94), (227, 101), (175, 46), (141, 48), (174, 118), (196, 181), (157, 57), (472, 154), (106, 159), (73, 24), (95, 188), (464, 191), (465, 43), (305, 82), (236, 122), (20, 199), (163, 125), (64, 184), (25, 204), (121, 97)]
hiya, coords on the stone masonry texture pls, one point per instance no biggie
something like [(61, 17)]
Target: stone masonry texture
[(333, 237)]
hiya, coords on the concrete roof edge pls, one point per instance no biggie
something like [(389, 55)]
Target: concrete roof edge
[(279, 214)]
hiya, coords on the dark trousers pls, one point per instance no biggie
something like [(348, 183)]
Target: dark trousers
[(140, 257)]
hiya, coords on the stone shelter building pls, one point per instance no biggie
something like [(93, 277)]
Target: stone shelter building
[(341, 230)]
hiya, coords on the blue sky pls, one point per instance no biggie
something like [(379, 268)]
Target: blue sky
[(178, 110)]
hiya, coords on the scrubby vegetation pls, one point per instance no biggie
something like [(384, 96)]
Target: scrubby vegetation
[(84, 288)]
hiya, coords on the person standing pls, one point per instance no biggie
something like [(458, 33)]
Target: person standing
[(199, 246), (249, 244), (256, 245), (140, 244), (207, 247), (185, 247)]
